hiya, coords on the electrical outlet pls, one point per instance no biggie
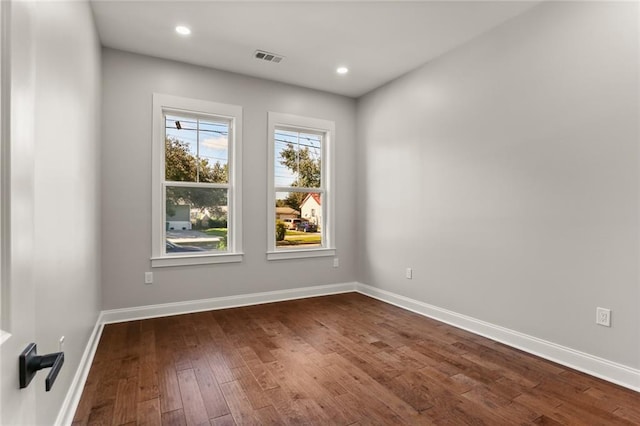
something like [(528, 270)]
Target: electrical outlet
[(336, 262), (603, 317), (408, 273), (148, 277), (61, 344)]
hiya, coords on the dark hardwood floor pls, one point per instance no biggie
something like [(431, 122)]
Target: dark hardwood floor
[(343, 359)]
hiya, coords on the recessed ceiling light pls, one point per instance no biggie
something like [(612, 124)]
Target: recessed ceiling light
[(182, 30), (342, 70)]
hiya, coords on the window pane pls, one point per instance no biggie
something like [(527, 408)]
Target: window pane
[(297, 159), (196, 220), (196, 150), (298, 220), (214, 152)]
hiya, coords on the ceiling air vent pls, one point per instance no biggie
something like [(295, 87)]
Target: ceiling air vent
[(266, 56)]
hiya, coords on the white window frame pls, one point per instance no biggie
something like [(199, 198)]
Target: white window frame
[(278, 120), (163, 104)]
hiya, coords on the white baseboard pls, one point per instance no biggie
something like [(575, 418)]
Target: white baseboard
[(72, 399), (590, 364), (178, 308)]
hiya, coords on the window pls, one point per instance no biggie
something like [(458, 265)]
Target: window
[(300, 187), (196, 182)]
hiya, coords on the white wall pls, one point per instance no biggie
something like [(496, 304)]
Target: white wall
[(128, 83), (506, 174)]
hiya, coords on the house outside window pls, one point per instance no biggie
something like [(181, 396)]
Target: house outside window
[(309, 205), (196, 182), (300, 181)]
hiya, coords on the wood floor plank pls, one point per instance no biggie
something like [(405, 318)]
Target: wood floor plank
[(173, 418), (241, 409), (544, 420), (370, 392), (192, 403), (305, 382), (630, 414), (147, 372), (360, 406), (469, 413), (539, 402), (103, 401), (218, 364), (84, 406), (342, 360), (148, 412), (148, 379), (269, 416), (251, 387), (170, 399), (125, 407), (264, 378), (288, 407), (212, 397), (612, 398), (223, 421), (102, 415)]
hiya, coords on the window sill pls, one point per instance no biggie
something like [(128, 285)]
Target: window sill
[(300, 254), (167, 261)]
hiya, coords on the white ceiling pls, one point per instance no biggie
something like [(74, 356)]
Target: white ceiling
[(377, 41)]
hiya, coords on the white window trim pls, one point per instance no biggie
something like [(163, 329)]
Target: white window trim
[(177, 104), (313, 125)]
